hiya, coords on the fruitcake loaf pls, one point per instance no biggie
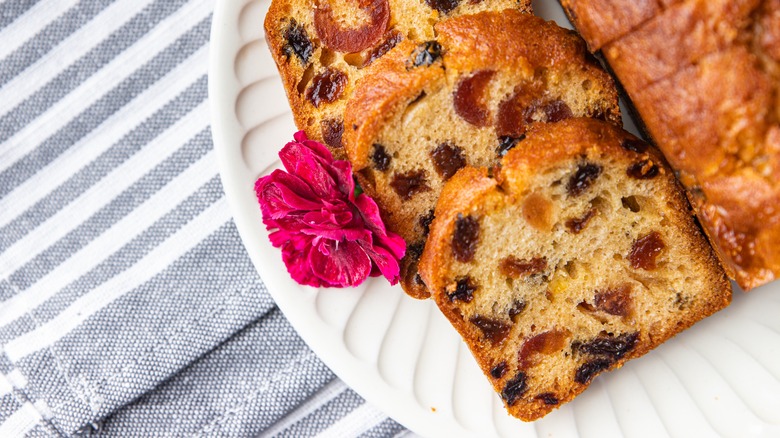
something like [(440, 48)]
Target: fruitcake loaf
[(710, 99), (322, 47), (427, 109), (578, 253)]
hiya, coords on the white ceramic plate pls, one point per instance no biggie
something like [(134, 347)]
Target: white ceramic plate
[(722, 377)]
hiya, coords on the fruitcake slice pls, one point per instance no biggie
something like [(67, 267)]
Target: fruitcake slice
[(322, 46), (426, 110), (578, 253)]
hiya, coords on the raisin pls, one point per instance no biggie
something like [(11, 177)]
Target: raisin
[(517, 308), (546, 343), (425, 222), (615, 301), (468, 98), (298, 42), (612, 347), (576, 225), (326, 87), (645, 250), (377, 52), (634, 145), (410, 183), (588, 370), (555, 111), (506, 143), (514, 389), (494, 330), (426, 53), (415, 250), (464, 240), (443, 6), (498, 371), (447, 159), (332, 130), (583, 178), (548, 398), (349, 40), (645, 169), (380, 158), (515, 268), (464, 290)]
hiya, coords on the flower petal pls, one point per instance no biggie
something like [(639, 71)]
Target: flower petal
[(383, 260), (340, 263)]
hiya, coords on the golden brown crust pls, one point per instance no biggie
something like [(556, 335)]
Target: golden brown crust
[(602, 21), (474, 193)]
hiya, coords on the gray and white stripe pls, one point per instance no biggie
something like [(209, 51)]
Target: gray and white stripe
[(127, 303)]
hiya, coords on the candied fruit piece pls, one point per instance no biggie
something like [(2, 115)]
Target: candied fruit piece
[(516, 268), (576, 225), (494, 330), (538, 211), (615, 301), (443, 6), (393, 38), (645, 169), (645, 251), (332, 131), (555, 111), (327, 86), (349, 40), (410, 183), (498, 371), (464, 240), (590, 369), (380, 158), (546, 343), (634, 145), (582, 179), (468, 98), (516, 112), (612, 347), (548, 398), (448, 159), (298, 42), (464, 290), (515, 388), (426, 54)]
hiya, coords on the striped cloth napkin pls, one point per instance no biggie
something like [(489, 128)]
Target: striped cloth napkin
[(128, 306)]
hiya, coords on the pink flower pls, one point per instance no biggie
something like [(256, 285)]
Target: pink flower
[(328, 236)]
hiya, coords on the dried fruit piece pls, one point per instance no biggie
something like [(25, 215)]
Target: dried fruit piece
[(464, 290), (426, 53), (498, 371), (410, 183), (516, 309), (298, 42), (555, 111), (538, 211), (645, 251), (468, 98), (425, 222), (448, 159), (443, 6), (515, 113), (393, 38), (493, 329), (577, 225), (327, 87), (516, 268), (506, 143), (380, 158), (464, 240), (515, 388), (590, 369), (332, 131), (338, 38), (548, 398), (612, 347), (616, 302), (645, 169), (634, 145), (545, 343), (582, 179)]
